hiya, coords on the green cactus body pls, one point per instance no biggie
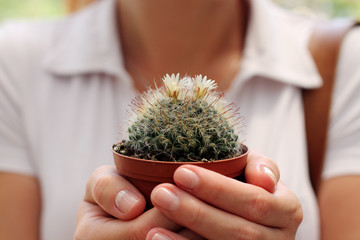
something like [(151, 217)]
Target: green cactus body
[(187, 125)]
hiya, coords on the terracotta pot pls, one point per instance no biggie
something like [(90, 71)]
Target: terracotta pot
[(146, 174)]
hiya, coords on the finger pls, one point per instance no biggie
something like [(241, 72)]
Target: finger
[(242, 199), (164, 234), (94, 223), (185, 232), (261, 171), (114, 194), (206, 220)]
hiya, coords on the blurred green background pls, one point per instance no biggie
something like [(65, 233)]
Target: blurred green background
[(51, 8), (31, 8)]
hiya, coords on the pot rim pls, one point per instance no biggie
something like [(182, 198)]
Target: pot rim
[(243, 146)]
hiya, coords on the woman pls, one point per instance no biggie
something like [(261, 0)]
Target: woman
[(62, 110)]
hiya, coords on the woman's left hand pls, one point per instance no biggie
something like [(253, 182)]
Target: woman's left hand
[(217, 207)]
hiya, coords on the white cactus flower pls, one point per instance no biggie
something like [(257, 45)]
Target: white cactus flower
[(172, 85), (203, 86)]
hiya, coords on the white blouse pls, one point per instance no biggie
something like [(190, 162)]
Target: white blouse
[(64, 91)]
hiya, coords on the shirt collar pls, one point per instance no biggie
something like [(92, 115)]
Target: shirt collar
[(276, 45), (87, 43)]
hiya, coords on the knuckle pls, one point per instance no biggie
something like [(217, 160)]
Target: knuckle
[(298, 214), (295, 211), (248, 233), (100, 171), (137, 232), (90, 230), (100, 187), (196, 217), (260, 206), (83, 232), (217, 193)]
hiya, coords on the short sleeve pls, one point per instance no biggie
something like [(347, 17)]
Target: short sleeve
[(14, 153), (343, 150)]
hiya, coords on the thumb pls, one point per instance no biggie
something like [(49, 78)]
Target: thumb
[(261, 171)]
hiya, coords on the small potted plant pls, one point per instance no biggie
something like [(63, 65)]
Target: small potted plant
[(185, 121)]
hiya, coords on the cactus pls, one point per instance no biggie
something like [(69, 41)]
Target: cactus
[(185, 120)]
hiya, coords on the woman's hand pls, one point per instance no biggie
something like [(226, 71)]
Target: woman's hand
[(217, 207), (212, 207), (113, 209)]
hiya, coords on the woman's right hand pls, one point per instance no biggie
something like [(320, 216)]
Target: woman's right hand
[(114, 209)]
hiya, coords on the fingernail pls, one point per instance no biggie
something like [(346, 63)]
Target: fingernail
[(269, 172), (187, 178), (165, 199), (160, 236), (125, 200)]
